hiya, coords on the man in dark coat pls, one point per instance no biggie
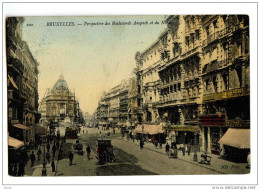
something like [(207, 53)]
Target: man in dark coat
[(88, 151), (188, 149), (48, 147), (57, 144), (71, 156), (141, 144), (32, 157), (167, 148), (48, 156), (54, 150), (39, 152), (53, 165)]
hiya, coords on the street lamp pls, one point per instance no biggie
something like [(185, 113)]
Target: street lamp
[(142, 132), (44, 170), (195, 158)]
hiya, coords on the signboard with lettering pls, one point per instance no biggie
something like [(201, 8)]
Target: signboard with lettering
[(212, 120), (227, 94)]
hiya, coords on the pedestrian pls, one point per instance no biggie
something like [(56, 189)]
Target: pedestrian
[(58, 135), (141, 144), (153, 139), (160, 145), (114, 131), (71, 157), (53, 165), (188, 149), (21, 168), (54, 150), (25, 158), (57, 144), (48, 156), (88, 151), (39, 152), (83, 131), (32, 157), (48, 147), (167, 148), (183, 149), (156, 143)]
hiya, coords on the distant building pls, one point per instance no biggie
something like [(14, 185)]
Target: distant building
[(113, 108), (58, 103)]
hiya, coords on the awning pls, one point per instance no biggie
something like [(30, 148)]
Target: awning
[(14, 142), (149, 129), (20, 126), (239, 138), (12, 81), (190, 128)]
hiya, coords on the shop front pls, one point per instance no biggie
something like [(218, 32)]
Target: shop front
[(149, 132), (183, 134), (213, 127)]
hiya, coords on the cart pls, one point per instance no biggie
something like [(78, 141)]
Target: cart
[(105, 151), (173, 153)]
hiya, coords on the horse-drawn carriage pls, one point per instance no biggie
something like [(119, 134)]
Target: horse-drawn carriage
[(105, 150)]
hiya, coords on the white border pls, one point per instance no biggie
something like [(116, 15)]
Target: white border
[(39, 9)]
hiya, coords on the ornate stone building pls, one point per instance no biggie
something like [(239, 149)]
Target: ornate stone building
[(226, 81), (22, 83), (196, 75), (58, 103), (113, 108)]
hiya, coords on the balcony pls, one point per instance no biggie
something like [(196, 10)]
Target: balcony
[(15, 64), (215, 36), (214, 65), (190, 52)]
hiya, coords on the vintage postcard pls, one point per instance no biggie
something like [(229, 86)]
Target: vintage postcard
[(128, 95)]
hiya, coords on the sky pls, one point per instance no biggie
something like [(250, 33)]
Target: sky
[(92, 59)]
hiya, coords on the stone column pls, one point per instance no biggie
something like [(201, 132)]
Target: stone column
[(221, 145), (209, 141), (203, 146)]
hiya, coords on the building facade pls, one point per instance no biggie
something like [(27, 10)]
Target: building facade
[(22, 83), (196, 77), (113, 108), (58, 103), (225, 78)]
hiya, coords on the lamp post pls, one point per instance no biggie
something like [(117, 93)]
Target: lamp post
[(195, 158), (44, 170), (142, 132)]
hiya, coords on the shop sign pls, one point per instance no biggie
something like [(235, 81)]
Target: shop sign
[(237, 122), (227, 94), (212, 120)]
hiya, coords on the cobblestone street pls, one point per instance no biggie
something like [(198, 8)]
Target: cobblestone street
[(130, 160)]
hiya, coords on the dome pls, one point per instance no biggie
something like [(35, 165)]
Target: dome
[(61, 83)]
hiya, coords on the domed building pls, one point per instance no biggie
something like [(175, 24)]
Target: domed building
[(58, 103)]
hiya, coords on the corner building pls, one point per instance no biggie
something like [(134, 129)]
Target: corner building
[(226, 85)]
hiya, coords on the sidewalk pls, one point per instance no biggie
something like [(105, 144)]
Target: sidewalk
[(218, 164), (38, 170)]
